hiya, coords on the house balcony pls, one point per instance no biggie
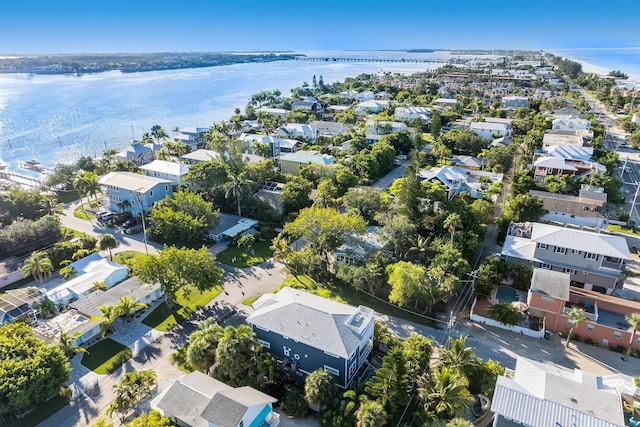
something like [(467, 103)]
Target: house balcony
[(612, 265), (273, 419), (364, 352), (591, 311)]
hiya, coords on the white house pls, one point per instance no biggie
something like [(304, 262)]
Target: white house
[(276, 112), (412, 113), (136, 152), (571, 123), (250, 139), (202, 155), (172, 171), (330, 129), (365, 95), (513, 102), (458, 180), (371, 107), (382, 127), (489, 129), (446, 102), (294, 130), (140, 191), (194, 137)]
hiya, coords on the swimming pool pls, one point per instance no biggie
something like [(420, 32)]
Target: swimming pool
[(507, 294)]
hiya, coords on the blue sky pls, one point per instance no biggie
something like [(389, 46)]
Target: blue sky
[(65, 26)]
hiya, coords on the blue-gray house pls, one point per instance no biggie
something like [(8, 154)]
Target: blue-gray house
[(306, 332)]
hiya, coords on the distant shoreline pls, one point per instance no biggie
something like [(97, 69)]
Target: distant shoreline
[(81, 64)]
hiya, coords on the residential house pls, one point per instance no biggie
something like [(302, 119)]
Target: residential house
[(348, 94), (313, 106), (251, 139), (269, 191), (164, 169), (571, 124), (381, 95), (469, 162), (140, 191), (551, 298), (289, 145), (371, 107), (305, 332), (365, 95), (230, 227), (595, 261), (503, 142), (194, 137), (458, 180), (135, 152), (413, 113), (537, 394), (301, 130), (491, 130), (198, 400), (292, 162), (381, 127), (276, 112), (513, 102), (561, 137), (89, 270), (445, 102), (199, 156), (565, 159), (498, 120), (330, 129), (358, 248), (566, 209)]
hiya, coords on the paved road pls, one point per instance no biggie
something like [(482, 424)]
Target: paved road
[(386, 181)]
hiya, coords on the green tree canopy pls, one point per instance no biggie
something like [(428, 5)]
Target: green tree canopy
[(295, 194), (407, 281), (31, 371), (320, 388), (182, 269)]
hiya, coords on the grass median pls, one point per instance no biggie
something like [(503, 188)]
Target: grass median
[(164, 318), (106, 356)]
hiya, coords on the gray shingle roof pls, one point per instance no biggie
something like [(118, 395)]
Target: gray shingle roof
[(315, 321), (227, 407)]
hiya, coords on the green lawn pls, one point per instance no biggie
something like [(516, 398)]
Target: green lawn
[(82, 214), (261, 249), (106, 356), (70, 233), (129, 258), (250, 301), (68, 196), (164, 319), (620, 229), (41, 413)]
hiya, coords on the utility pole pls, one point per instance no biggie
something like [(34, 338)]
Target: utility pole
[(450, 325), (144, 226), (635, 197)]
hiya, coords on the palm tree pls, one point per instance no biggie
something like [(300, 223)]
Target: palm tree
[(444, 392), (68, 272), (109, 315), (158, 133), (281, 249), (458, 356), (92, 187), (237, 187), (124, 205), (107, 242), (37, 265), (262, 149), (319, 388), (80, 185), (128, 306), (371, 414), (577, 315), (452, 223), (634, 320), (68, 344), (217, 142), (181, 149), (163, 154)]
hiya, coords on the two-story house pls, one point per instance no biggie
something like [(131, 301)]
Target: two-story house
[(412, 113), (566, 209), (570, 123), (565, 159), (136, 152), (371, 107), (595, 261), (331, 129), (173, 171), (198, 400), (491, 130), (292, 162), (251, 139), (194, 137), (306, 332), (134, 192), (295, 130)]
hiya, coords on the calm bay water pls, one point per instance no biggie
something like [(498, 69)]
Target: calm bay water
[(57, 119), (603, 61)]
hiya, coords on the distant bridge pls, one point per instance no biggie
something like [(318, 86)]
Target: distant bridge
[(415, 60)]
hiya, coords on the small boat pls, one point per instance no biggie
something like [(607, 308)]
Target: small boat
[(32, 164)]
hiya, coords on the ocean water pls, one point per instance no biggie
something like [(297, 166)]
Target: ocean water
[(602, 61), (58, 118)]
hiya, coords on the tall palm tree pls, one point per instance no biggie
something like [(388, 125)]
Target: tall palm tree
[(452, 223), (217, 142), (371, 414), (458, 356), (281, 249), (163, 154), (68, 344), (444, 392), (237, 187), (37, 265), (92, 187), (634, 320), (128, 306), (320, 388), (577, 315), (107, 242), (80, 185), (109, 315), (158, 133)]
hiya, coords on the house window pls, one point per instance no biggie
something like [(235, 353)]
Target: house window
[(569, 270), (590, 327), (332, 371), (151, 193), (617, 335), (542, 246), (265, 344), (589, 255), (545, 266), (575, 251), (560, 250), (166, 188), (352, 369)]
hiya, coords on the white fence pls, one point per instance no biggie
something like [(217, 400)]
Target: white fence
[(517, 329)]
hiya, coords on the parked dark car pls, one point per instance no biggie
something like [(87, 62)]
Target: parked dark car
[(130, 222)]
